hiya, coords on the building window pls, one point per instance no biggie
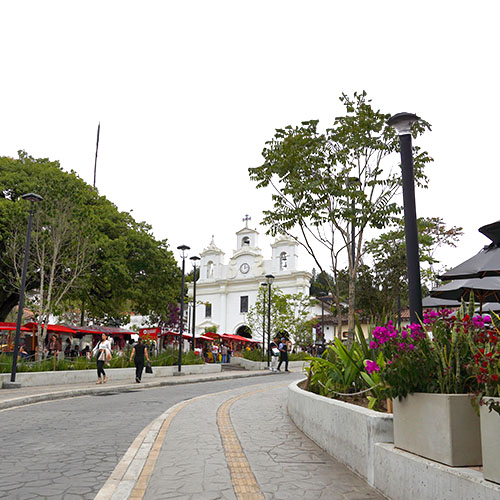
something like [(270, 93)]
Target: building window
[(244, 304), (210, 269), (283, 261), (245, 241), (208, 310)]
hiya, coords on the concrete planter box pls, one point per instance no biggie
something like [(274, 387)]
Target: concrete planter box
[(490, 442), (345, 431), (441, 427)]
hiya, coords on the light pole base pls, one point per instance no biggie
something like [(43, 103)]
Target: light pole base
[(11, 385), (178, 374)]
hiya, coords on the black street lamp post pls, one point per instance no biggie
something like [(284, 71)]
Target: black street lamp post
[(183, 249), (402, 122), (32, 198), (270, 279), (263, 320), (322, 321), (194, 259)]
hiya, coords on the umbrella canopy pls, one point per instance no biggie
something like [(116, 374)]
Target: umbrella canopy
[(485, 263), (50, 328), (435, 302), (483, 289)]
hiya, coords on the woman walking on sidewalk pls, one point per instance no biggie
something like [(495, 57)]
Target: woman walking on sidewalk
[(139, 352), (102, 351)]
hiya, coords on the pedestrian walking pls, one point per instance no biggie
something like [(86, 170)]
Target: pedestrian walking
[(102, 352), (283, 348), (274, 357), (215, 352), (139, 352), (223, 351)]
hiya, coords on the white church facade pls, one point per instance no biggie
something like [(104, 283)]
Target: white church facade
[(226, 292)]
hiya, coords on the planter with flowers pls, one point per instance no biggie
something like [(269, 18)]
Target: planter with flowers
[(486, 369), (426, 371)]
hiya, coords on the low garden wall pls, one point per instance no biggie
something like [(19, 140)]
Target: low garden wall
[(34, 379), (345, 431), (262, 365), (362, 439)]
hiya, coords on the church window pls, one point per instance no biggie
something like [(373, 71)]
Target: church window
[(283, 261), (208, 310), (245, 241), (244, 304), (210, 269)]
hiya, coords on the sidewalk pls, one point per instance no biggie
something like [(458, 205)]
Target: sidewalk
[(238, 444), (10, 398)]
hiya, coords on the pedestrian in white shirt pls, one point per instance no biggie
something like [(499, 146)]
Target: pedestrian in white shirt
[(102, 352)]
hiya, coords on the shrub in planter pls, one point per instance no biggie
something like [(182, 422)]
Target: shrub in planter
[(432, 361), (486, 369)]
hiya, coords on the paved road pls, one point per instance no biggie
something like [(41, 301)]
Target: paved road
[(67, 449)]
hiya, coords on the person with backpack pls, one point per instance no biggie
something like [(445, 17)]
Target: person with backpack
[(139, 352), (283, 348), (102, 353)]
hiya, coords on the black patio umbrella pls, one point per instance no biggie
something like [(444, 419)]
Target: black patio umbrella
[(485, 263), (483, 289), (428, 302)]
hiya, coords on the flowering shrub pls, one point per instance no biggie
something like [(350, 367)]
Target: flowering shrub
[(486, 365), (434, 357)]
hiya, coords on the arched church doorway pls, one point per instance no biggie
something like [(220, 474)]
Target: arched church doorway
[(244, 331)]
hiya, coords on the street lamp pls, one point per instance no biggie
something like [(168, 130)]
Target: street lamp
[(269, 280), (183, 250), (194, 259), (402, 122), (32, 198), (263, 320)]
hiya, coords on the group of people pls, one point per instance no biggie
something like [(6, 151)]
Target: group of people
[(217, 353), (102, 354)]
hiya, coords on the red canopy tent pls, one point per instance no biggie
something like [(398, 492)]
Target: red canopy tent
[(12, 326), (213, 335), (50, 328), (187, 336), (238, 338)]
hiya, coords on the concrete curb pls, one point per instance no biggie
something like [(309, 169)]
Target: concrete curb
[(71, 393)]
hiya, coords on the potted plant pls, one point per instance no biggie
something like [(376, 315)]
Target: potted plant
[(426, 371), (486, 369)]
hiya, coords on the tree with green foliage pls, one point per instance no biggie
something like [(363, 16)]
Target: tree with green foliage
[(100, 260), (289, 314), (324, 182), (389, 258)]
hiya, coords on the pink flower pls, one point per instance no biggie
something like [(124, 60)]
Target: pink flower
[(371, 366), (373, 345)]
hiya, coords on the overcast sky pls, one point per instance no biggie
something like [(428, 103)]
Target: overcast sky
[(187, 93)]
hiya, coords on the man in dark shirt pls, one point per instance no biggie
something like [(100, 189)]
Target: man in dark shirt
[(283, 348), (139, 352)]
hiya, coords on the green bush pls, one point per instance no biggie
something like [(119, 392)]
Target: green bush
[(167, 357), (254, 355)]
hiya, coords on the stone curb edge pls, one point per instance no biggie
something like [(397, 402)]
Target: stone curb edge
[(72, 393)]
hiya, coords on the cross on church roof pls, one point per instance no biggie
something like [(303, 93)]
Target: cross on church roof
[(246, 219)]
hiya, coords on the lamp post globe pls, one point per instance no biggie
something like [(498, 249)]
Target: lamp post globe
[(183, 252), (402, 122), (32, 198), (194, 259)]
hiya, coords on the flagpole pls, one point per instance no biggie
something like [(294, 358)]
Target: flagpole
[(96, 150)]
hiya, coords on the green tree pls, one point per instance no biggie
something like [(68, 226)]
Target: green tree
[(126, 269), (289, 314), (389, 258), (324, 182)]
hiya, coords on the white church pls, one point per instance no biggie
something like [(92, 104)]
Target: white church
[(225, 292)]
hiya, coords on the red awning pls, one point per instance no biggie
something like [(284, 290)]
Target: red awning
[(238, 338), (176, 334), (12, 326), (212, 335), (204, 337), (50, 328)]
